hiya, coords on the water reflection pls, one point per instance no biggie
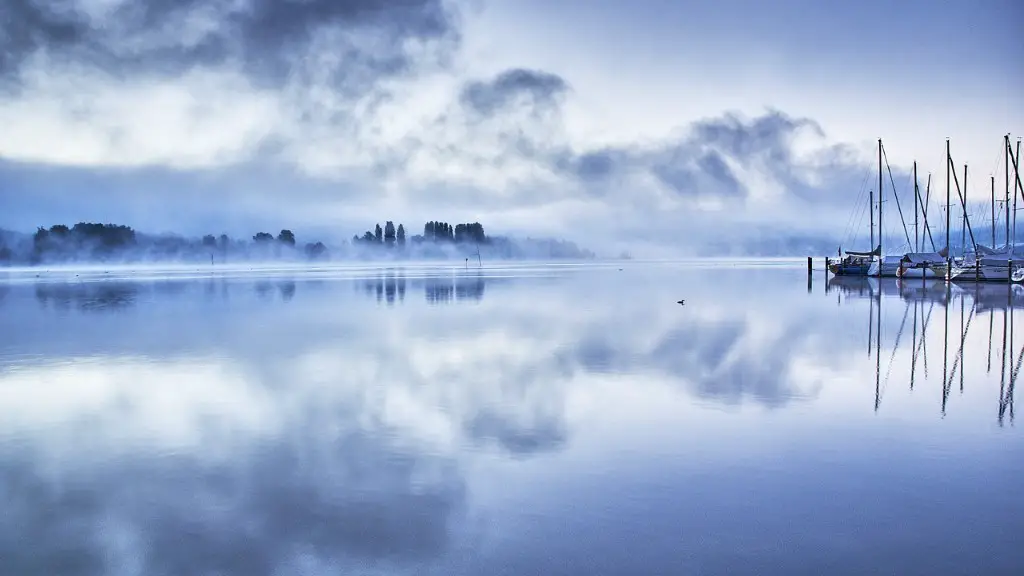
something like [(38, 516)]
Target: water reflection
[(959, 307), (445, 288), (88, 297), (577, 424)]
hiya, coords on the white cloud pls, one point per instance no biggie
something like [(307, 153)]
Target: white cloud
[(401, 139), (79, 117)]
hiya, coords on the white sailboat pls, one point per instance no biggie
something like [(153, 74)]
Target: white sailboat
[(990, 264)]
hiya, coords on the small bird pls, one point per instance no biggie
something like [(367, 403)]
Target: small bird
[(681, 302)]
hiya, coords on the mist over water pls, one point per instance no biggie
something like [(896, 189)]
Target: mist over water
[(533, 418)]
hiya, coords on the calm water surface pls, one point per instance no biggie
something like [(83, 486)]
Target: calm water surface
[(527, 420)]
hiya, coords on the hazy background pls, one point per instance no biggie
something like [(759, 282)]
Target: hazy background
[(652, 126)]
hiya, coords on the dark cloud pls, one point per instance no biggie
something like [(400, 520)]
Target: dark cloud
[(535, 88), (698, 162), (268, 38)]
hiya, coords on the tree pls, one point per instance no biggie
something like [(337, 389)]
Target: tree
[(401, 235), (209, 241), (263, 237), (224, 242), (314, 251), (378, 234), (389, 232), (286, 237)]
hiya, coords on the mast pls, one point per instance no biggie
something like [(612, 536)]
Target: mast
[(871, 214), (917, 247), (880, 196), (963, 217), (1017, 163), (993, 179), (1006, 169), (949, 252)]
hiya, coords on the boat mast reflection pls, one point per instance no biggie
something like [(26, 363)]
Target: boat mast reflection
[(920, 298)]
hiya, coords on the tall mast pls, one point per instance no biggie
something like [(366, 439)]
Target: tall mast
[(1016, 170), (871, 214), (917, 247), (880, 196), (963, 227), (1006, 169), (948, 250), (993, 179)]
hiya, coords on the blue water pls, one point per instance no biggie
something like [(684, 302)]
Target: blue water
[(532, 419)]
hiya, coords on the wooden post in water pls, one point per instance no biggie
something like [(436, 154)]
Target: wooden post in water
[(809, 269), (1009, 271)]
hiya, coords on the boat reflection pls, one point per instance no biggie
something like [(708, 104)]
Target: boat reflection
[(959, 308)]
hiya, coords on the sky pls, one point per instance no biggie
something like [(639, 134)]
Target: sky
[(649, 126)]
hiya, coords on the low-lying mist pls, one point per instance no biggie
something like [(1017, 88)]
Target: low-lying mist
[(86, 243)]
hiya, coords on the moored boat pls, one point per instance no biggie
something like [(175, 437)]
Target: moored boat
[(854, 263)]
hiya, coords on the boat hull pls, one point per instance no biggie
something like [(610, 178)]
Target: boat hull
[(932, 272), (840, 269), (987, 273)]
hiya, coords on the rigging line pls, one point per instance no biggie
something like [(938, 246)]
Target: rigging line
[(849, 221), (852, 233), (963, 205), (999, 161), (1016, 371), (856, 213), (896, 196), (960, 353), (896, 346), (924, 214), (924, 329)]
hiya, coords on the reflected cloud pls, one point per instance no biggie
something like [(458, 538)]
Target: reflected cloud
[(341, 439)]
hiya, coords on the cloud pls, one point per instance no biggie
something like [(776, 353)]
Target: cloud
[(538, 88), (269, 40), (333, 115)]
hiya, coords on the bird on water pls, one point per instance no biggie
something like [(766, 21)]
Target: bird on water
[(681, 302)]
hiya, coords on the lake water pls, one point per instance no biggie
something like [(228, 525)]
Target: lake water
[(522, 420)]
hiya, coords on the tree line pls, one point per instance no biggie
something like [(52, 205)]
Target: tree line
[(94, 241), (433, 231)]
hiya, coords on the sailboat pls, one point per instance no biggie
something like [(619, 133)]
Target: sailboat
[(992, 264), (919, 264), (916, 264), (856, 263)]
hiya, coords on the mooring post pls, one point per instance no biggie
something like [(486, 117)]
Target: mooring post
[(1009, 271), (809, 269)]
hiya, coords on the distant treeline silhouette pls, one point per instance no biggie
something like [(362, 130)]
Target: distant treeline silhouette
[(97, 242), (105, 242), (433, 231)]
